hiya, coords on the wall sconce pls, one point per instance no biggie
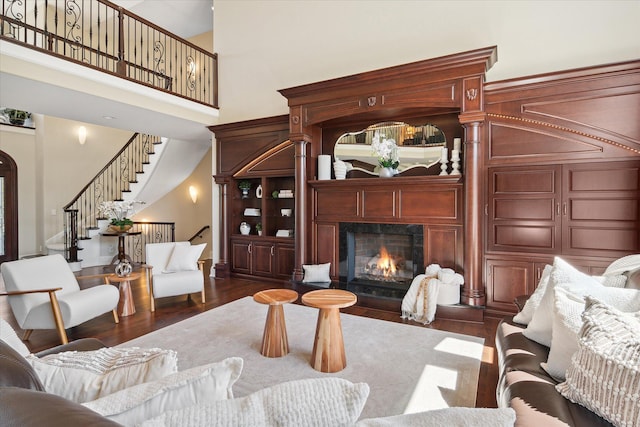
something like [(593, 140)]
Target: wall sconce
[(82, 135), (193, 193)]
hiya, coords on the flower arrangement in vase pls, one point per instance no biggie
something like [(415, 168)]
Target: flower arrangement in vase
[(118, 212), (386, 150)]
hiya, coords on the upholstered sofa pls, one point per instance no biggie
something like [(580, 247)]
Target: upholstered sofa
[(526, 387), (24, 402)]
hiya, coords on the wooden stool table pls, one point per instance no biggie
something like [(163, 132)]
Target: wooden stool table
[(126, 306), (274, 339), (328, 346)]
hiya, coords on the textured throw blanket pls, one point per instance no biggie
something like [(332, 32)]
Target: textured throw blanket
[(420, 301)]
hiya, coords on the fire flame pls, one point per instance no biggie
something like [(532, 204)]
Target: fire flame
[(386, 264)]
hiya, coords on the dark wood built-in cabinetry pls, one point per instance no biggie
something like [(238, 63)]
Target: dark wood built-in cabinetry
[(562, 175), (257, 152), (550, 167)]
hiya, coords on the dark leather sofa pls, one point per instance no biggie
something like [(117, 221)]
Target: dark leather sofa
[(24, 402), (527, 388)]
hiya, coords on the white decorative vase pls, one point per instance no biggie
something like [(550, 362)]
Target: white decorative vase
[(340, 169), (245, 228), (386, 172), (259, 192)]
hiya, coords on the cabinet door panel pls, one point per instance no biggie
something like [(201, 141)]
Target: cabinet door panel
[(604, 209), (602, 239), (611, 178), (262, 258), (240, 257), (285, 261), (519, 180), (523, 207), (525, 237), (507, 280), (529, 209), (601, 207)]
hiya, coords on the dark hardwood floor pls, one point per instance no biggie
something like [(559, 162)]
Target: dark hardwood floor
[(221, 291)]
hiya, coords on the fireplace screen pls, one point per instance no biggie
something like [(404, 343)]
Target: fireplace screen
[(380, 259)]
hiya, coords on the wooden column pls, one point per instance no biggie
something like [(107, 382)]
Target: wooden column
[(300, 209), (222, 266), (473, 291)]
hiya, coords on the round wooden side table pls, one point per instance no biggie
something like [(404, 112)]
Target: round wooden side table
[(274, 339), (126, 306), (328, 346)]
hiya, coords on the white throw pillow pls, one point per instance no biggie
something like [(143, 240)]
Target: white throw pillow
[(311, 402), (540, 326), (525, 316), (565, 276), (567, 320), (184, 258), (476, 417), (199, 385), (82, 376), (316, 273), (9, 336), (604, 375)]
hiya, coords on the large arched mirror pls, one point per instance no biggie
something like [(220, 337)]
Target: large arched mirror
[(415, 146)]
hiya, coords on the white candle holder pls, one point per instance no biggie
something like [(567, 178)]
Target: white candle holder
[(443, 166), (455, 163)]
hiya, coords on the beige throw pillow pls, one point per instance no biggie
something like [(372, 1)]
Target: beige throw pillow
[(82, 376), (604, 375)]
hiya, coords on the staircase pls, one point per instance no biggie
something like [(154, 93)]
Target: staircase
[(118, 180)]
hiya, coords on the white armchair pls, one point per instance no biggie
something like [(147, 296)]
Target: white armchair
[(44, 294), (173, 268)]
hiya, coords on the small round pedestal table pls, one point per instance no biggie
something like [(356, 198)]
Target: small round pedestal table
[(126, 306), (274, 339), (328, 346)]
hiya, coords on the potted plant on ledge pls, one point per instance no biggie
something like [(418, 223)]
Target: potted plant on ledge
[(259, 228), (244, 186)]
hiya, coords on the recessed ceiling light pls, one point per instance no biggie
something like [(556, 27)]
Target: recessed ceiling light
[(108, 117)]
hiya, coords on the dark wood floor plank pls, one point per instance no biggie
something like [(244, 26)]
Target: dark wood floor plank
[(221, 291)]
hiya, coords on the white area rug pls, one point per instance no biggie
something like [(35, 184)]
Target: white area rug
[(408, 368)]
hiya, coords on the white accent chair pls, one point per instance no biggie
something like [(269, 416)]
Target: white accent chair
[(168, 276), (44, 294)]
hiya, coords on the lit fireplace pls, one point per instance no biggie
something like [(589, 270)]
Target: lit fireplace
[(380, 259), (383, 266)]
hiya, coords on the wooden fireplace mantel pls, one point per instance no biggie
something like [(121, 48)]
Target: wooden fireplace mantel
[(450, 84)]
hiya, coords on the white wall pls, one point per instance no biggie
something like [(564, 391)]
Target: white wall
[(264, 46)]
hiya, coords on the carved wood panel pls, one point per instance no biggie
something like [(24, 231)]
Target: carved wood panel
[(326, 247), (379, 204), (443, 245)]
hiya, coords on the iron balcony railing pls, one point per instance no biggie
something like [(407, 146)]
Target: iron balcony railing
[(106, 37)]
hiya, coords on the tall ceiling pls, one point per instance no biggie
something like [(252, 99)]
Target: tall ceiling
[(185, 18)]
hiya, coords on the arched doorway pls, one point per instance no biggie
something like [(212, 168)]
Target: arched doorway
[(8, 208)]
